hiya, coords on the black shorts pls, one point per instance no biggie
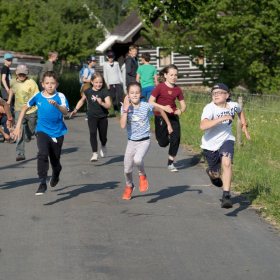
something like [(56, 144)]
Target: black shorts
[(214, 158)]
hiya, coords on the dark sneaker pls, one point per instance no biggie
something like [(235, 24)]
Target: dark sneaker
[(42, 189), (27, 139), (20, 157), (226, 203), (53, 181), (215, 181)]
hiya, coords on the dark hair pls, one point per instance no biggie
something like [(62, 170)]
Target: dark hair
[(50, 74), (165, 70), (97, 75), (134, 84), (146, 56)]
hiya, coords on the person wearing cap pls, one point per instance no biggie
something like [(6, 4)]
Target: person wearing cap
[(6, 76), (48, 66), (218, 140), (113, 78), (24, 88)]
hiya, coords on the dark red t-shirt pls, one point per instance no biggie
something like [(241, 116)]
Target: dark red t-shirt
[(166, 96)]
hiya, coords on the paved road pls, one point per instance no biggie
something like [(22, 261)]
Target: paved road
[(82, 229)]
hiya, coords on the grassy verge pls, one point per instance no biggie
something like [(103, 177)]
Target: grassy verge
[(256, 162)]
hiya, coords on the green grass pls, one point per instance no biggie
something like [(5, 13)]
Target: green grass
[(256, 163)]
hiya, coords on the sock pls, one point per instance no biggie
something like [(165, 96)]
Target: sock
[(225, 193), (170, 161), (43, 181)]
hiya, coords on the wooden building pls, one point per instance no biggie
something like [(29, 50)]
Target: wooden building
[(129, 33)]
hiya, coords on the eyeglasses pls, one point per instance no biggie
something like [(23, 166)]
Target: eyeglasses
[(218, 93)]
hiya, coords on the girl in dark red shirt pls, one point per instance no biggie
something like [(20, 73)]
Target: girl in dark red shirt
[(164, 96)]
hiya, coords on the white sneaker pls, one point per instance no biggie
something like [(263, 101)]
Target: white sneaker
[(172, 168), (103, 151), (94, 157)]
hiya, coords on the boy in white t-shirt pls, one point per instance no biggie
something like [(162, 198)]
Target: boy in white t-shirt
[(218, 140)]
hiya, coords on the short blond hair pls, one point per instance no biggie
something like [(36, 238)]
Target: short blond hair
[(133, 47), (52, 53)]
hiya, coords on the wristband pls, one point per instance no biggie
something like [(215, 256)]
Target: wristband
[(10, 119), (75, 109), (244, 124), (125, 111)]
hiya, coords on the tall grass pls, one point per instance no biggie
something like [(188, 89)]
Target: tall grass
[(257, 162)]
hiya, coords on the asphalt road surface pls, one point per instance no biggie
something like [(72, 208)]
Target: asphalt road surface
[(82, 229)]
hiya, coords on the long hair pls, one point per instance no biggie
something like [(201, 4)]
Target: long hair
[(165, 70), (97, 75)]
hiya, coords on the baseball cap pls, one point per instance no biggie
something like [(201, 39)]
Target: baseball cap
[(111, 54), (90, 58), (8, 56), (220, 86), (22, 68)]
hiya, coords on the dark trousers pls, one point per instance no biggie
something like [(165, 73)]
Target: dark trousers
[(3, 122), (47, 148), (101, 125), (116, 90), (162, 136)]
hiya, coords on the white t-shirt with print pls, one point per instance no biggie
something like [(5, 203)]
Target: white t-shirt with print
[(215, 136)]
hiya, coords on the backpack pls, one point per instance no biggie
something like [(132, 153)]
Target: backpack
[(81, 72)]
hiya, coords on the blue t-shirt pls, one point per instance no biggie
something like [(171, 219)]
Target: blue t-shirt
[(138, 121), (50, 119)]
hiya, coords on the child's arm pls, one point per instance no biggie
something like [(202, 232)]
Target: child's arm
[(123, 120), (166, 108), (183, 108), (61, 108), (107, 104), (206, 123), (78, 106), (156, 80), (241, 115), (138, 78), (6, 87), (18, 131), (105, 75), (164, 116), (10, 121)]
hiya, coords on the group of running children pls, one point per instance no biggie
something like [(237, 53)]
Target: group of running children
[(216, 121)]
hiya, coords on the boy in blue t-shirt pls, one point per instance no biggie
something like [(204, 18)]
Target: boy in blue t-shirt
[(50, 129)]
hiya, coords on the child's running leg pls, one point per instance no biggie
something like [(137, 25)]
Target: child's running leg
[(161, 132), (54, 154), (120, 95), (141, 150), (114, 97), (128, 165), (92, 125), (30, 125), (20, 144), (102, 126)]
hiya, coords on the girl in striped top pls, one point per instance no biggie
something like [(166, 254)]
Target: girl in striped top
[(135, 117)]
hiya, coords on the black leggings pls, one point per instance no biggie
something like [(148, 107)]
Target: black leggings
[(162, 136), (102, 126), (48, 148)]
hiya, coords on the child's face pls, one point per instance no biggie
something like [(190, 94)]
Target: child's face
[(54, 58), (172, 76), (133, 53), (219, 96), (8, 62), (110, 59), (134, 94), (97, 83), (21, 77), (92, 63), (50, 85)]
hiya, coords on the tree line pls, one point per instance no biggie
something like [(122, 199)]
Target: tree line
[(238, 41)]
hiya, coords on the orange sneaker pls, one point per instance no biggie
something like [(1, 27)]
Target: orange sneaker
[(128, 192), (143, 184)]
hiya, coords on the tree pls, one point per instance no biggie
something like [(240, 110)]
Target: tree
[(241, 40), (39, 26)]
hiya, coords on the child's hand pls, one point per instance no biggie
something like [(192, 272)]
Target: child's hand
[(169, 128), (99, 100), (178, 112), (52, 102), (6, 136), (168, 109), (72, 114), (10, 124), (108, 87), (125, 103), (245, 130), (17, 133)]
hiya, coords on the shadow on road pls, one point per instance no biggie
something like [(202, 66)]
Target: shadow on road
[(167, 193), (69, 150), (20, 183), (113, 160), (243, 204), (85, 189), (187, 162), (17, 164)]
